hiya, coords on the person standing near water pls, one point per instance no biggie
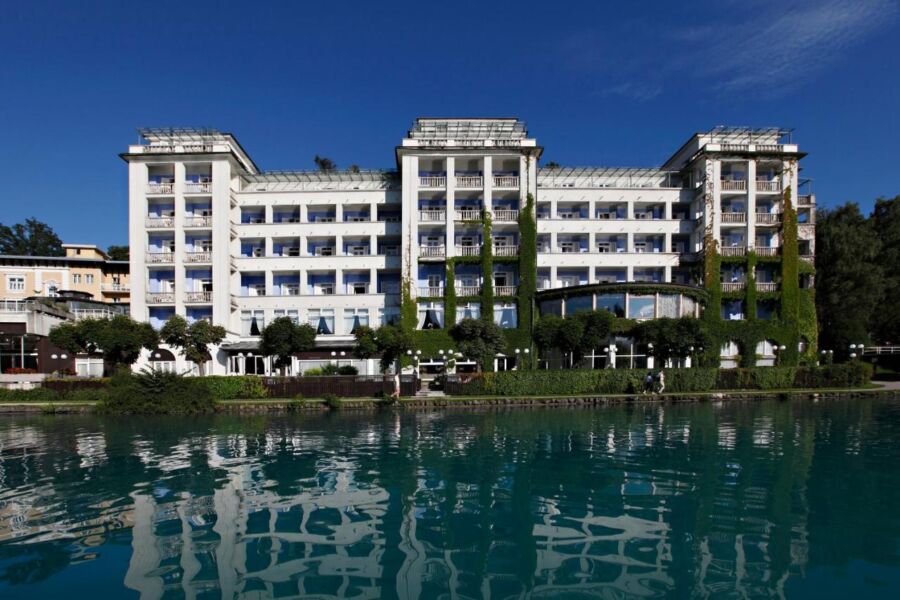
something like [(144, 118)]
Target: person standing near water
[(661, 382)]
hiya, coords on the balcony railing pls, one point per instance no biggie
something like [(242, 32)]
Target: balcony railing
[(433, 182), (734, 286), (122, 288), (197, 297), (763, 286), (468, 250), (431, 292), (734, 217), (733, 185), (198, 257), (767, 218), (94, 313), (506, 181), (505, 290), (159, 222), (196, 187), (161, 298), (734, 250), (766, 185), (468, 215), (765, 251), (432, 216), (469, 181), (506, 250), (432, 251), (468, 290), (159, 258), (198, 221), (506, 215), (160, 188), (290, 289)]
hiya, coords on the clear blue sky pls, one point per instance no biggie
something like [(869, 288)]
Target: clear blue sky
[(599, 83)]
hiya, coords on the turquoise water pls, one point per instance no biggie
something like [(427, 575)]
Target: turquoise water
[(742, 500)]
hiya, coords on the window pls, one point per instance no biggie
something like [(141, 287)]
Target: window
[(614, 303), (15, 283), (89, 279), (322, 320), (505, 315), (389, 315), (578, 304), (355, 317), (252, 322), (431, 315), (468, 310), (642, 307), (292, 313), (76, 278), (435, 281)]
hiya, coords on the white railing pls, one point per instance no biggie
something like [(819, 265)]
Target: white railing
[(433, 182), (468, 215), (505, 290), (194, 187), (769, 147), (197, 257), (195, 297), (290, 289), (731, 185), (432, 216), (13, 306), (765, 185), (506, 215), (160, 188), (766, 251), (734, 286), (506, 181), (469, 181), (734, 250), (468, 290), (161, 298), (762, 286), (506, 250), (156, 258), (115, 287), (159, 222), (734, 217), (94, 313), (432, 251), (767, 218), (198, 221), (735, 147), (431, 292), (468, 250)]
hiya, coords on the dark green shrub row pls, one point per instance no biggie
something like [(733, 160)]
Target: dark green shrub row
[(156, 393), (232, 387), (43, 394)]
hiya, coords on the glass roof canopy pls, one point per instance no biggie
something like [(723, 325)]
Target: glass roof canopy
[(468, 129)]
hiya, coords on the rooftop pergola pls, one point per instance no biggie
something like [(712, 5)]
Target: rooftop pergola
[(329, 176), (180, 135), (748, 135), (468, 129), (607, 177)]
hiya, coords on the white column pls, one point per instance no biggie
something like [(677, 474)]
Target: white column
[(751, 204), (450, 213), (487, 195), (178, 264)]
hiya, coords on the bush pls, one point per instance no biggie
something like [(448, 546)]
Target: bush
[(332, 401), (314, 372), (155, 393), (348, 370), (32, 395), (330, 369), (241, 387)]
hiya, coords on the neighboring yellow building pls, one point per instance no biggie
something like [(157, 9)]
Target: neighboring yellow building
[(84, 268)]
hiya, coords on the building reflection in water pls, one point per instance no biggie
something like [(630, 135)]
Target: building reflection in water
[(625, 502)]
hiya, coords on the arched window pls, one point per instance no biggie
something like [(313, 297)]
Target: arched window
[(162, 360)]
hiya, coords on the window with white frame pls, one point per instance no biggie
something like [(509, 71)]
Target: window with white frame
[(15, 283), (431, 315), (389, 315), (322, 320), (468, 310), (291, 313), (89, 278), (505, 315), (252, 322), (355, 317), (76, 278)]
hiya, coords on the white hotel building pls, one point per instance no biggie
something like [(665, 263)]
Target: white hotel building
[(215, 237)]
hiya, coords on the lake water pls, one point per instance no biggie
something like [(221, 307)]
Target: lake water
[(768, 499)]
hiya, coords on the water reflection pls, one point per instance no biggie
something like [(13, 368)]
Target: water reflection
[(744, 500)]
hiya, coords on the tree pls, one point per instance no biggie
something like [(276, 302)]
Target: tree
[(324, 164), (118, 253), (479, 339), (353, 168), (393, 342), (597, 327), (568, 338), (192, 340), (546, 331), (886, 222), (282, 338), (552, 165), (366, 343), (119, 339), (849, 277), (671, 338), (31, 238)]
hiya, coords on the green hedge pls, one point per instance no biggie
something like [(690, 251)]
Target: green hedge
[(628, 381), (43, 394), (242, 387)]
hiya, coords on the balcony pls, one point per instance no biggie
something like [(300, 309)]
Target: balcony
[(469, 181), (735, 286), (198, 257), (506, 181), (506, 250), (198, 297), (198, 221), (431, 292), (159, 222), (763, 286), (734, 217), (196, 187), (468, 215), (468, 290), (160, 188), (768, 186), (432, 251), (160, 258), (433, 182), (94, 313), (732, 185), (290, 289), (161, 298), (116, 288), (432, 216), (506, 215), (734, 250), (357, 288), (468, 250), (505, 290), (768, 218), (765, 251)]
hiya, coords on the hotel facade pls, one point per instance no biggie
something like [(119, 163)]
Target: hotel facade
[(445, 236)]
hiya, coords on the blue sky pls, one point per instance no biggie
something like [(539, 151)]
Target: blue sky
[(599, 83)]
